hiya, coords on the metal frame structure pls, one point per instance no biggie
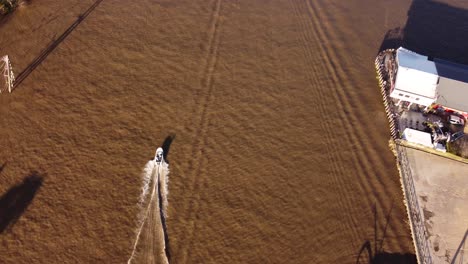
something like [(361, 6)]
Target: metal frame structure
[(7, 73)]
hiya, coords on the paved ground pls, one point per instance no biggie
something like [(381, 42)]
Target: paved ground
[(415, 119), (412, 120), (442, 188)]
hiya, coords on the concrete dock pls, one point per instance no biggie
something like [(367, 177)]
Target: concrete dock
[(441, 187)]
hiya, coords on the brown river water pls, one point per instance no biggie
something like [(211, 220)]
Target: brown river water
[(270, 109)]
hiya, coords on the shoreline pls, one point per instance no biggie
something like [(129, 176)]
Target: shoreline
[(418, 230)]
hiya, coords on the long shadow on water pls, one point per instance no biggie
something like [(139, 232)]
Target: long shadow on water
[(16, 200), (378, 255), (434, 29), (43, 55), (166, 146)]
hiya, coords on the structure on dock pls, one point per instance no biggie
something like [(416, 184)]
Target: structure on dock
[(420, 80), (7, 74), (417, 137), (416, 79)]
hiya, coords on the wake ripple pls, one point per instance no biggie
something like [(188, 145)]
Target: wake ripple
[(151, 238)]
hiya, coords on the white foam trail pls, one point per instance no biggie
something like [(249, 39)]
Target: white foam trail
[(153, 174), (146, 177)]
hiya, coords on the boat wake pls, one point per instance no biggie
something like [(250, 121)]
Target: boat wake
[(151, 237)]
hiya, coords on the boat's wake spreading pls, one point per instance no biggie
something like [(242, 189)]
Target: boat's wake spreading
[(150, 242)]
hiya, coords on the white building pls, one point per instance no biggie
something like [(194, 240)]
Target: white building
[(418, 137), (425, 82), (416, 78)]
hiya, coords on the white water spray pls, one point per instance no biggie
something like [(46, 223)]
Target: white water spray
[(146, 178), (150, 246)]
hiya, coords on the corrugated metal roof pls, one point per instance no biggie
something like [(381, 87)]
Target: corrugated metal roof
[(453, 94), (452, 70), (452, 89), (413, 60), (416, 82), (453, 85)]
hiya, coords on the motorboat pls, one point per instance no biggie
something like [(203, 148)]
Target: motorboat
[(158, 157)]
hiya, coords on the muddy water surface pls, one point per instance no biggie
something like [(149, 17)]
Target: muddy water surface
[(280, 152)]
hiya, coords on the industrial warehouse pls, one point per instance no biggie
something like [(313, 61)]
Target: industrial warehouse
[(426, 99)]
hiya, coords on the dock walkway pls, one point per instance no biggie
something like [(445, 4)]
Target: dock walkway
[(441, 187)]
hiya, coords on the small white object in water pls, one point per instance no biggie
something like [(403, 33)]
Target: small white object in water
[(158, 157)]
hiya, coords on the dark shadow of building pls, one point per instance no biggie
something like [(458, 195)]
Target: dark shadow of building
[(394, 258), (433, 29)]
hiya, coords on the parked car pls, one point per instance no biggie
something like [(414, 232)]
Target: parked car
[(456, 120)]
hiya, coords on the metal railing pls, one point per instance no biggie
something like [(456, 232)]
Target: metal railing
[(385, 78), (414, 210)]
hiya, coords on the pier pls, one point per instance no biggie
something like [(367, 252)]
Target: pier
[(434, 184)]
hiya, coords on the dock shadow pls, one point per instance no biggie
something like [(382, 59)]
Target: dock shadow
[(393, 39), (17, 199), (54, 44), (378, 255), (394, 258), (166, 145), (365, 256), (435, 29)]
